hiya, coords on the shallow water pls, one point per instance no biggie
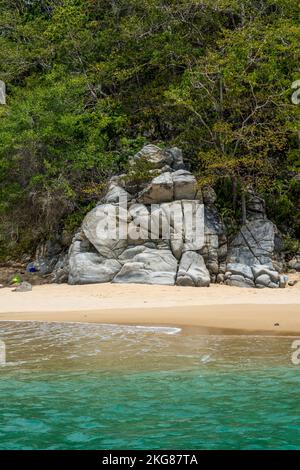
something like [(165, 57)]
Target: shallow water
[(87, 386)]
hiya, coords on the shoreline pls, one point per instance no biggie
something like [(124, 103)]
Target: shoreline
[(236, 319), (215, 310)]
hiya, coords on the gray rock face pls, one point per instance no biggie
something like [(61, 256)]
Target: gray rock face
[(60, 272), (263, 280), (238, 280), (252, 252), (88, 268), (209, 195), (168, 187), (214, 250), (185, 185), (283, 281), (256, 208), (260, 270), (47, 256), (131, 252)]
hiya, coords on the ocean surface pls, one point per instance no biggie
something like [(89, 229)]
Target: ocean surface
[(87, 386)]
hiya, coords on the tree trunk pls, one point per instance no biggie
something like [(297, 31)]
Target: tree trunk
[(244, 208), (234, 191)]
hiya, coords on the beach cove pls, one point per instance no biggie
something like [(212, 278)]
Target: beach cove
[(217, 308)]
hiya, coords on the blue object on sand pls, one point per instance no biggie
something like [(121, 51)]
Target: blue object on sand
[(31, 268)]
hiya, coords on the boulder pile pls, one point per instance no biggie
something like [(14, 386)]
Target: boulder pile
[(151, 246), (157, 248)]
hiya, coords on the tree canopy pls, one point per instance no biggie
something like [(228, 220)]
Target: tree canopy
[(89, 81)]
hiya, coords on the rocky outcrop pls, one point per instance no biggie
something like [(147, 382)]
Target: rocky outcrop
[(252, 253), (158, 245), (141, 232)]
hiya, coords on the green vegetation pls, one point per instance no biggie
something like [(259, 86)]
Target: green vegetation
[(90, 81)]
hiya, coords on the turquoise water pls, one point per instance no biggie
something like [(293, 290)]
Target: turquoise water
[(107, 387)]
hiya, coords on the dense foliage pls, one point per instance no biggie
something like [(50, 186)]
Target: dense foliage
[(89, 81)]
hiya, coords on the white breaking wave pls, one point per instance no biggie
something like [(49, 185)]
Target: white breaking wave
[(167, 330)]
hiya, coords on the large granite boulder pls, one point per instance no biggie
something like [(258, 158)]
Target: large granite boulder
[(159, 190), (170, 186), (185, 185), (98, 225), (151, 266), (192, 270), (87, 266), (155, 155), (254, 244)]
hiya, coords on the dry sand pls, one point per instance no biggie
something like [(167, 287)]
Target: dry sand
[(217, 308)]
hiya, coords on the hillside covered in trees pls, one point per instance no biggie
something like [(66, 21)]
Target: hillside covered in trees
[(89, 81)]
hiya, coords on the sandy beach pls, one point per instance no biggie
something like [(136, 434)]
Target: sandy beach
[(217, 308)]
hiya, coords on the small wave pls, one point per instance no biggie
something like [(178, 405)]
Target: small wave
[(160, 329), (45, 325)]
